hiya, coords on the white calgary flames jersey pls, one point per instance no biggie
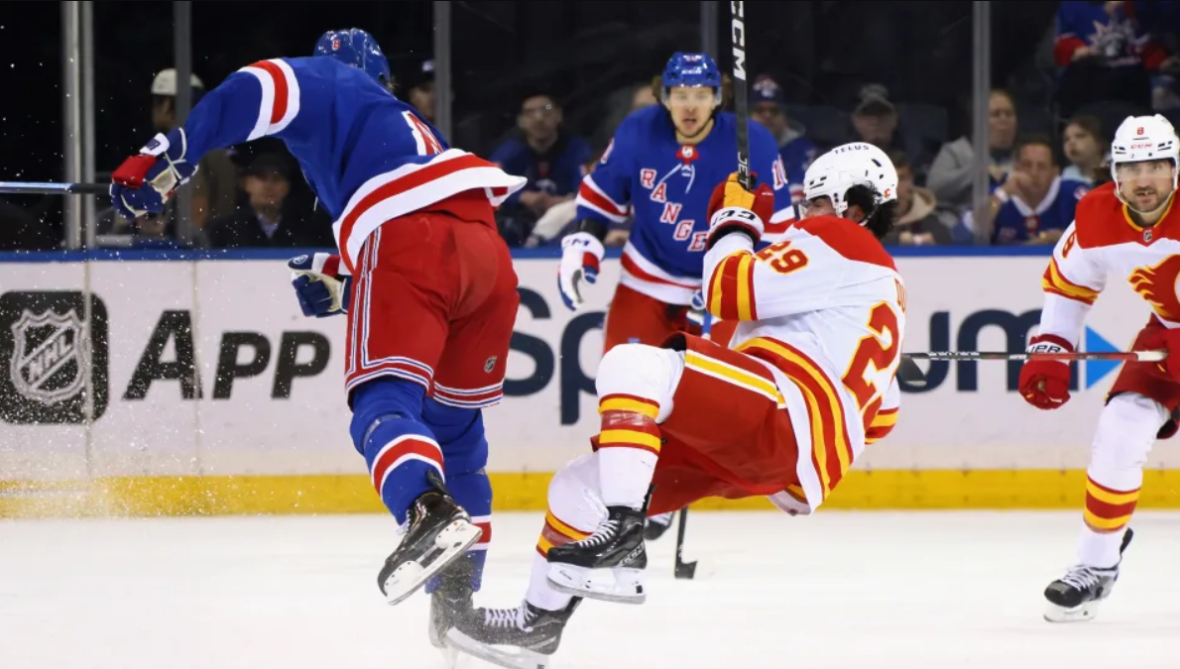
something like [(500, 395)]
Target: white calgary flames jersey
[(1104, 241), (824, 308)]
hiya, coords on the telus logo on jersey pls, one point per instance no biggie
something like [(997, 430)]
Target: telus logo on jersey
[(46, 356)]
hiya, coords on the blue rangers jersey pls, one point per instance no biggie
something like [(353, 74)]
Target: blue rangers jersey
[(668, 186), (368, 156)]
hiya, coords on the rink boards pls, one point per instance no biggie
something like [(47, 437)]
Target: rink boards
[(213, 394)]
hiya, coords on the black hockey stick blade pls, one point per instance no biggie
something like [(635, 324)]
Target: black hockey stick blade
[(684, 571), (910, 373)]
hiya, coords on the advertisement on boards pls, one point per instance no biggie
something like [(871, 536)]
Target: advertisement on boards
[(209, 368)]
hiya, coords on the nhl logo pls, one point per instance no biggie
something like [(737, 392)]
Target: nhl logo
[(489, 365), (1147, 236), (46, 364)]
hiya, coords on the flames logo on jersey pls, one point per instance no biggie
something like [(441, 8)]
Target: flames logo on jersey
[(1157, 285)]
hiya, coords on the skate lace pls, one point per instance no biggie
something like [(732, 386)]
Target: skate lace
[(1082, 578), (519, 617), (606, 531)]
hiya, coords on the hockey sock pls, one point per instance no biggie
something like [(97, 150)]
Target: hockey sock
[(400, 450), (628, 449), (1107, 513), (575, 511), (556, 533), (460, 433), (1126, 431)]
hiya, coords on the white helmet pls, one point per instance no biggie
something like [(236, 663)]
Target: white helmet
[(1141, 138), (858, 163)]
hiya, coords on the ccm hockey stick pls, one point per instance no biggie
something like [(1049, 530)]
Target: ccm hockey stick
[(967, 356), (741, 111)]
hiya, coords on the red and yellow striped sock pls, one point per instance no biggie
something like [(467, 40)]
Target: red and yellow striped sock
[(1108, 510), (628, 448), (557, 533)]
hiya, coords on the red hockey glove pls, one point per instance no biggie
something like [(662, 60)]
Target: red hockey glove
[(1045, 383), (1155, 339), (732, 208)]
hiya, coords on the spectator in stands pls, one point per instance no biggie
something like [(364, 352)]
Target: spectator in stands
[(1034, 205), (214, 191), (421, 91), (875, 120), (272, 218), (552, 160), (918, 223), (768, 107), (1106, 54), (1085, 148), (951, 175)]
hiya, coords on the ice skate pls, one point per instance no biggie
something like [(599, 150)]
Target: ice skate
[(522, 638), (608, 564), (438, 532), (658, 525), (1076, 596), (451, 601)]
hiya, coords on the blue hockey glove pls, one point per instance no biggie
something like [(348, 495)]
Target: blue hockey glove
[(321, 283), (160, 166)]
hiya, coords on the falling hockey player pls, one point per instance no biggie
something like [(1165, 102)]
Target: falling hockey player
[(425, 280), (662, 164), (809, 381), (1129, 228)]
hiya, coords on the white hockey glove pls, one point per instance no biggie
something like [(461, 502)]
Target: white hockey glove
[(581, 254)]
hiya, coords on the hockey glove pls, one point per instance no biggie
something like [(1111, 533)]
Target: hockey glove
[(321, 283), (581, 254), (732, 208), (161, 166), (1045, 383), (1155, 339)]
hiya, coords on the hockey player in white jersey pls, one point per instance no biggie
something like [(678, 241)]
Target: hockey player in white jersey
[(809, 381), (1128, 229)]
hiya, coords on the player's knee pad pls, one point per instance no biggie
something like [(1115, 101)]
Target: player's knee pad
[(385, 401), (1127, 429), (643, 371), (575, 501), (460, 433)]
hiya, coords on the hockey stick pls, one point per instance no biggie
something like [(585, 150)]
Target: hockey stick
[(684, 570), (52, 188), (967, 356)]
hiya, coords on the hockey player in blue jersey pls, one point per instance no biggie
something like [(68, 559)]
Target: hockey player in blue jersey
[(425, 281), (661, 166)]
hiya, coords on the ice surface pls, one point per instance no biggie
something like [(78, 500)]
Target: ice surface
[(840, 590)]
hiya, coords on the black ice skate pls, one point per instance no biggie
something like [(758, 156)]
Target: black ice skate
[(608, 564), (658, 525), (520, 638), (438, 532), (1075, 597), (450, 602)]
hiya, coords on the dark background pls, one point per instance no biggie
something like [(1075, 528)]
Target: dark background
[(582, 51)]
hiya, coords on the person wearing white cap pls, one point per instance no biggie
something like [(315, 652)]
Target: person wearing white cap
[(215, 191)]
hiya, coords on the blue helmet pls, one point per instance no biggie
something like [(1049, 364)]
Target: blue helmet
[(691, 69), (357, 48)]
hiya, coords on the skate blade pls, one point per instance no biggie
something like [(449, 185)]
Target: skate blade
[(622, 586), (451, 543), (522, 659), (1079, 614)]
